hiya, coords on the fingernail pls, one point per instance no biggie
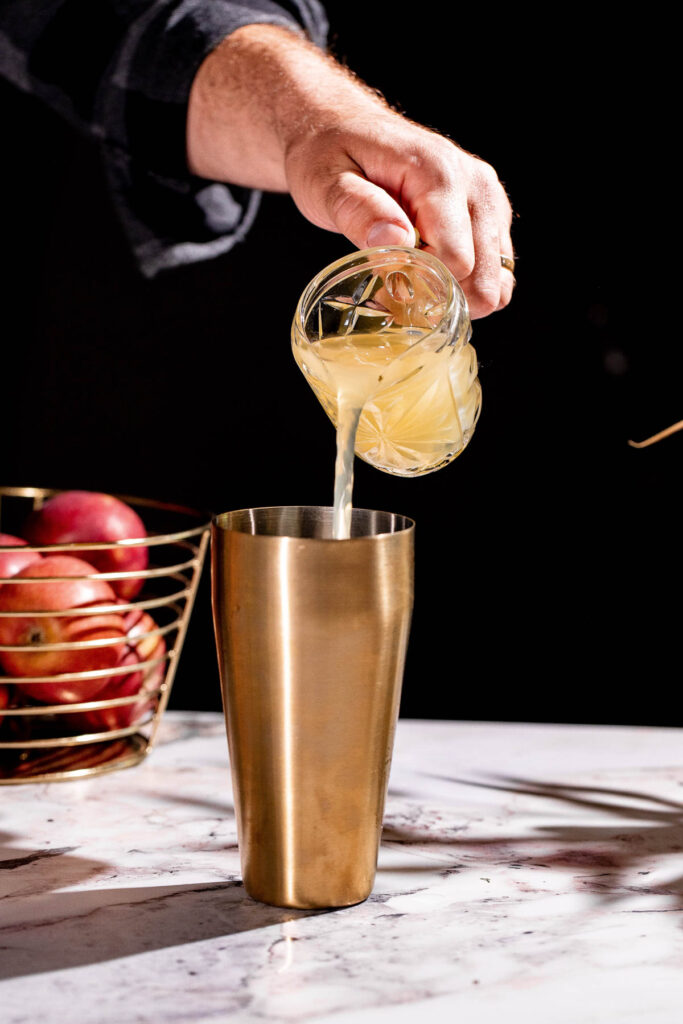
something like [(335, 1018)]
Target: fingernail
[(387, 233)]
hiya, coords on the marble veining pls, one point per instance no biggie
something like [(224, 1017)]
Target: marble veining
[(527, 872)]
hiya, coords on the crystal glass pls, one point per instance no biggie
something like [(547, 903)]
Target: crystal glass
[(387, 330)]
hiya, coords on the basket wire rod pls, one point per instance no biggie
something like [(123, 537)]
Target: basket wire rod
[(150, 541), (85, 675), (78, 645), (99, 609), (179, 640), (142, 696), (91, 546), (129, 574), (156, 602), (73, 741), (101, 760)]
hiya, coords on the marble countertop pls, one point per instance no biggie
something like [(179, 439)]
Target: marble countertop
[(527, 873)]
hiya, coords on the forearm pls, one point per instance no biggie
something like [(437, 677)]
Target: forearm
[(262, 90), (269, 110)]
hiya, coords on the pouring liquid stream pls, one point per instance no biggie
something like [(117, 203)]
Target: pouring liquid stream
[(347, 426), (352, 368), (357, 367), (400, 407)]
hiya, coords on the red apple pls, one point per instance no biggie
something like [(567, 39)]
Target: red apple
[(4, 699), (11, 562), (81, 516), (143, 681), (25, 629), (148, 648)]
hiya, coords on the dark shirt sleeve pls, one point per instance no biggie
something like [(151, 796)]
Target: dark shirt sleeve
[(121, 71)]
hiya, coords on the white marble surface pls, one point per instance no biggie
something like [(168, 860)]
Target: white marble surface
[(527, 873)]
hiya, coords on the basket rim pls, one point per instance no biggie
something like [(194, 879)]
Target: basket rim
[(202, 516)]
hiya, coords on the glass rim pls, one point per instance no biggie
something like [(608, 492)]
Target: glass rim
[(319, 514), (455, 304)]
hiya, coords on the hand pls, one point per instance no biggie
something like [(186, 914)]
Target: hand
[(346, 180), (269, 110)]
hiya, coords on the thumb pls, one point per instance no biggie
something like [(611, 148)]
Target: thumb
[(365, 213)]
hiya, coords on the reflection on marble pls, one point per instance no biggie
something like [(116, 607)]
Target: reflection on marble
[(527, 872)]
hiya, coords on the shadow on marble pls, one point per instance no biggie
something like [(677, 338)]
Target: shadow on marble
[(605, 858), (49, 867), (223, 809), (76, 929)]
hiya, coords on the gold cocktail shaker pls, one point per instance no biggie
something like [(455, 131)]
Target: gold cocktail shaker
[(311, 635)]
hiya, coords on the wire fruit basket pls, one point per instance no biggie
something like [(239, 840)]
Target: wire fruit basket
[(48, 732)]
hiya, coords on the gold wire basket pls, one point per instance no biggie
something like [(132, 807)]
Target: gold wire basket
[(42, 742)]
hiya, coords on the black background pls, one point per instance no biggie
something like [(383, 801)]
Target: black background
[(547, 555)]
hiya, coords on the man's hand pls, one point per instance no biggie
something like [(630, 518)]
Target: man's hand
[(269, 110)]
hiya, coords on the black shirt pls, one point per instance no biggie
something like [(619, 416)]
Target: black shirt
[(121, 71)]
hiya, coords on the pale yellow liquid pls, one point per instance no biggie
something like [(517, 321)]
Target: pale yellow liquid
[(404, 408)]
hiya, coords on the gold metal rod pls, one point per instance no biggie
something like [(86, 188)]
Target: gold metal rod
[(93, 673), (78, 645), (100, 609), (673, 429), (91, 705), (70, 741), (128, 574), (73, 762), (180, 639), (150, 540)]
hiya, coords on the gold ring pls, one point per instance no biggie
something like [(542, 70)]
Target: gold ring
[(507, 262), (418, 241)]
